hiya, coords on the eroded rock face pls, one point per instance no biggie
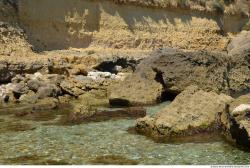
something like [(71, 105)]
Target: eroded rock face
[(237, 121), (193, 111)]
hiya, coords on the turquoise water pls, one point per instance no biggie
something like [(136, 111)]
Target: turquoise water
[(25, 141)]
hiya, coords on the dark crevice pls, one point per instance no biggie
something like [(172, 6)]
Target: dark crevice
[(119, 102), (113, 66), (17, 95), (166, 95), (239, 134)]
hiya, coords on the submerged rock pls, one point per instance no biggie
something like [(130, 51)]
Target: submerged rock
[(87, 114), (15, 127), (193, 111), (26, 108), (113, 160)]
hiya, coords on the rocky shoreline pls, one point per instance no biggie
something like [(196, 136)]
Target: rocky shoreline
[(210, 91)]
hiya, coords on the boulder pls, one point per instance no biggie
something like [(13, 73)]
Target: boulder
[(34, 84), (236, 121), (20, 89), (48, 91), (79, 69), (168, 72), (239, 67), (135, 90), (29, 97), (6, 94), (239, 44), (177, 70), (193, 111), (72, 87)]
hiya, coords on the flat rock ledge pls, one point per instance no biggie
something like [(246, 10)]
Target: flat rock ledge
[(87, 114)]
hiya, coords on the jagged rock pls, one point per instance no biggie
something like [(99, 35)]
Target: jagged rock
[(17, 79), (29, 97), (34, 84), (72, 87), (78, 69), (20, 89), (236, 121), (193, 111), (48, 91)]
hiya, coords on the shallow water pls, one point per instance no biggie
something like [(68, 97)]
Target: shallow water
[(107, 142)]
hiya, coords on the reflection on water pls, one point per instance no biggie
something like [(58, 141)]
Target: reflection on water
[(106, 142)]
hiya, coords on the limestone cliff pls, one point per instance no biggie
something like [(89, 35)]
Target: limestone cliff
[(83, 23)]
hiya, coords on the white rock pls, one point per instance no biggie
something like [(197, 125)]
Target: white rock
[(241, 109), (99, 75)]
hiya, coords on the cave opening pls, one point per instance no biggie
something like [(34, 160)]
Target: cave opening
[(118, 65)]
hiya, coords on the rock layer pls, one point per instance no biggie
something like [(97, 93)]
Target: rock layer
[(93, 23)]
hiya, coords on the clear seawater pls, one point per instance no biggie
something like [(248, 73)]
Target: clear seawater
[(40, 141)]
